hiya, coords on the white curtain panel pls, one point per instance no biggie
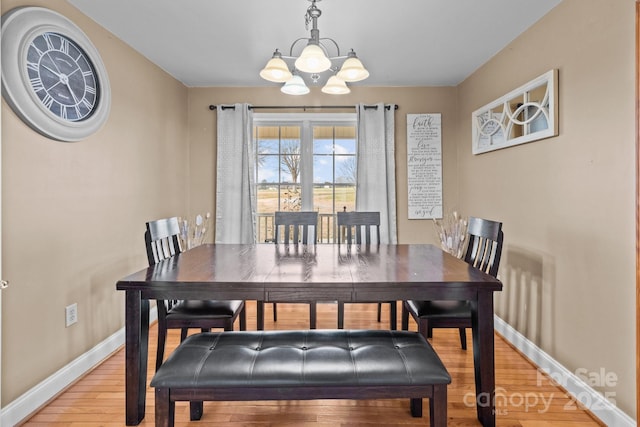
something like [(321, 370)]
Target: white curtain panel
[(235, 181), (376, 186)]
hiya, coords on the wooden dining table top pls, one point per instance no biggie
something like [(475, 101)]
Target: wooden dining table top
[(348, 273)]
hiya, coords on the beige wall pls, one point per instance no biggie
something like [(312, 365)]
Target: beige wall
[(73, 213), (411, 100), (568, 202)]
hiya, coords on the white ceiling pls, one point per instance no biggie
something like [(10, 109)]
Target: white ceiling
[(400, 42)]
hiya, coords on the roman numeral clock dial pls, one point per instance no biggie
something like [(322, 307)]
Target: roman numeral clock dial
[(62, 76), (52, 75)]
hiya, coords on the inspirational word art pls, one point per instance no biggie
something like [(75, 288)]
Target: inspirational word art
[(424, 165)]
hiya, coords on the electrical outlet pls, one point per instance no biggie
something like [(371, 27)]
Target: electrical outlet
[(71, 312)]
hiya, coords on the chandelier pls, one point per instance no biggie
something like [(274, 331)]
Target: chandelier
[(315, 61)]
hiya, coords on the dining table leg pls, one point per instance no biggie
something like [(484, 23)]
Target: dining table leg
[(136, 355), (483, 357)]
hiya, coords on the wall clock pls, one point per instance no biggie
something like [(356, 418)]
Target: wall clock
[(52, 76)]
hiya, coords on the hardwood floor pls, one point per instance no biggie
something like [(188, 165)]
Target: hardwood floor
[(524, 397)]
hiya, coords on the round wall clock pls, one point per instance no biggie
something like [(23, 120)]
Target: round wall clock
[(52, 76)]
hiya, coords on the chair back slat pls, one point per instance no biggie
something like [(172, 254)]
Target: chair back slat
[(485, 245), (358, 223), (298, 227), (162, 239)]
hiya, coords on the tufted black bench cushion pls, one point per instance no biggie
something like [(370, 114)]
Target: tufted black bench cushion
[(300, 365)]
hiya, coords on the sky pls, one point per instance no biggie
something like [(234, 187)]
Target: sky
[(324, 153)]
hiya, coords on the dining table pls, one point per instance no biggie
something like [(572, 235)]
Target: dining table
[(303, 273)]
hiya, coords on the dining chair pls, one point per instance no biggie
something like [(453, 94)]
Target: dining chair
[(293, 228), (483, 252), (162, 240), (361, 228)]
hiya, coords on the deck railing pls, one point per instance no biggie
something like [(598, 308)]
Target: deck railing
[(326, 228)]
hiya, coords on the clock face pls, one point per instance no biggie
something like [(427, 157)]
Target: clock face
[(62, 76), (52, 75)]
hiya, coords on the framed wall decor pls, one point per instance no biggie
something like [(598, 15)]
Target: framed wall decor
[(528, 113), (424, 165)]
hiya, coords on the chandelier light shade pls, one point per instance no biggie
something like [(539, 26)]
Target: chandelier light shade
[(276, 69), (335, 86), (295, 86), (314, 60), (352, 69)]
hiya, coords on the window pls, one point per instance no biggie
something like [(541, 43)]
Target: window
[(304, 162)]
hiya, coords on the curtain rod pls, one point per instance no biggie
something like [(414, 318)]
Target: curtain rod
[(304, 107)]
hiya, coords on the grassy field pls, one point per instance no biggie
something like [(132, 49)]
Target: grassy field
[(323, 199)]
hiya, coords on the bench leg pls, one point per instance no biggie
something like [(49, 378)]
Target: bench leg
[(165, 409), (195, 410), (416, 407), (438, 406)]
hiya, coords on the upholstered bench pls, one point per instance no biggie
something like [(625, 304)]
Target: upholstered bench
[(302, 365)]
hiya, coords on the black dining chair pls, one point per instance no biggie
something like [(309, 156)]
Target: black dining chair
[(483, 252), (361, 228), (162, 240), (293, 228)]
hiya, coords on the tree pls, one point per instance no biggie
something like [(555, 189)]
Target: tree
[(289, 155), (290, 158), (347, 170)]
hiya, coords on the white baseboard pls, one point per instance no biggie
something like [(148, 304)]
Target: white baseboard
[(25, 405), (598, 404)]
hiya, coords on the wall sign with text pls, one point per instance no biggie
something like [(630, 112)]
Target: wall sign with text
[(424, 165)]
